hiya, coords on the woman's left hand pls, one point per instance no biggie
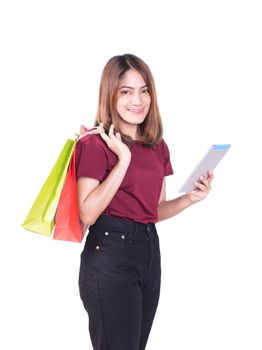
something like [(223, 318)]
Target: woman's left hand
[(202, 188)]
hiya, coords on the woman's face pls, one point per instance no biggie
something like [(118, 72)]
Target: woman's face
[(133, 99)]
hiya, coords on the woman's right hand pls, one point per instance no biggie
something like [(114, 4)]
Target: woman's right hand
[(114, 142)]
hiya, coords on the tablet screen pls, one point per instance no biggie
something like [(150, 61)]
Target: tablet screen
[(208, 162)]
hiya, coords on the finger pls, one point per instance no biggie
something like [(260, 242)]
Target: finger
[(204, 180), (111, 129), (207, 182), (118, 135), (200, 186), (103, 133), (101, 127), (211, 174)]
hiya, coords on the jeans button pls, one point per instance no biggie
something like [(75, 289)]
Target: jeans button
[(106, 233)]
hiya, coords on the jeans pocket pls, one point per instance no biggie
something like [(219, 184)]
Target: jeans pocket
[(112, 239), (111, 250)]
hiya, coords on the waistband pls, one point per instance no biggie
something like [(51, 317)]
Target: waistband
[(114, 222)]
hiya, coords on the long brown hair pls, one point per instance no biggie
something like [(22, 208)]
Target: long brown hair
[(151, 130)]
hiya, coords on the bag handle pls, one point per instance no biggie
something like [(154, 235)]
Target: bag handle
[(87, 132)]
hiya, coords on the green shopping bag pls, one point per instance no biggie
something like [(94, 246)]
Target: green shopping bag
[(41, 217)]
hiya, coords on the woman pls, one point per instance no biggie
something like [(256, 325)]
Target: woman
[(121, 193)]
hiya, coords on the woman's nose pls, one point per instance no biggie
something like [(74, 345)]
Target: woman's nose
[(136, 99)]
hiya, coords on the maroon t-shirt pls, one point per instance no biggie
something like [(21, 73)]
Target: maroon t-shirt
[(138, 195)]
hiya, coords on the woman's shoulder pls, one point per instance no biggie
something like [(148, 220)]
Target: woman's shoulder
[(92, 145), (163, 147), (161, 144)]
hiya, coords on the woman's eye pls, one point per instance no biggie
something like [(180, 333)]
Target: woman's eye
[(125, 92)]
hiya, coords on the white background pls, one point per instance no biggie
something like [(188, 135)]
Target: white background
[(206, 59)]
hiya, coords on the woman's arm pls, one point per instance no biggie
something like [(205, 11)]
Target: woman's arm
[(167, 209), (93, 197)]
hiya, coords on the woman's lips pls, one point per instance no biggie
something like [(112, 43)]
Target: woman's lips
[(137, 110)]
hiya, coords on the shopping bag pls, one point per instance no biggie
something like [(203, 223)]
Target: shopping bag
[(68, 226), (40, 218)]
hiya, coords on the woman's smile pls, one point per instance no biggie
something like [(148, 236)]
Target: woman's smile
[(136, 111)]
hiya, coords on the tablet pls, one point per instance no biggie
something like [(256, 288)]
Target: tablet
[(208, 162)]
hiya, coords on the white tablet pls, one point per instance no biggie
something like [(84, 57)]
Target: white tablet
[(208, 162)]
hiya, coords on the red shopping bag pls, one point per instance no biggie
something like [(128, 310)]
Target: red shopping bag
[(68, 226)]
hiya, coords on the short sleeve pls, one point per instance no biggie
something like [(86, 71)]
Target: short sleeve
[(168, 170), (91, 158)]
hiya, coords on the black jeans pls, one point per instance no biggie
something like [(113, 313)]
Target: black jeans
[(119, 282)]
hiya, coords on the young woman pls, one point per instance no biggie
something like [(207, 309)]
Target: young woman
[(121, 173)]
